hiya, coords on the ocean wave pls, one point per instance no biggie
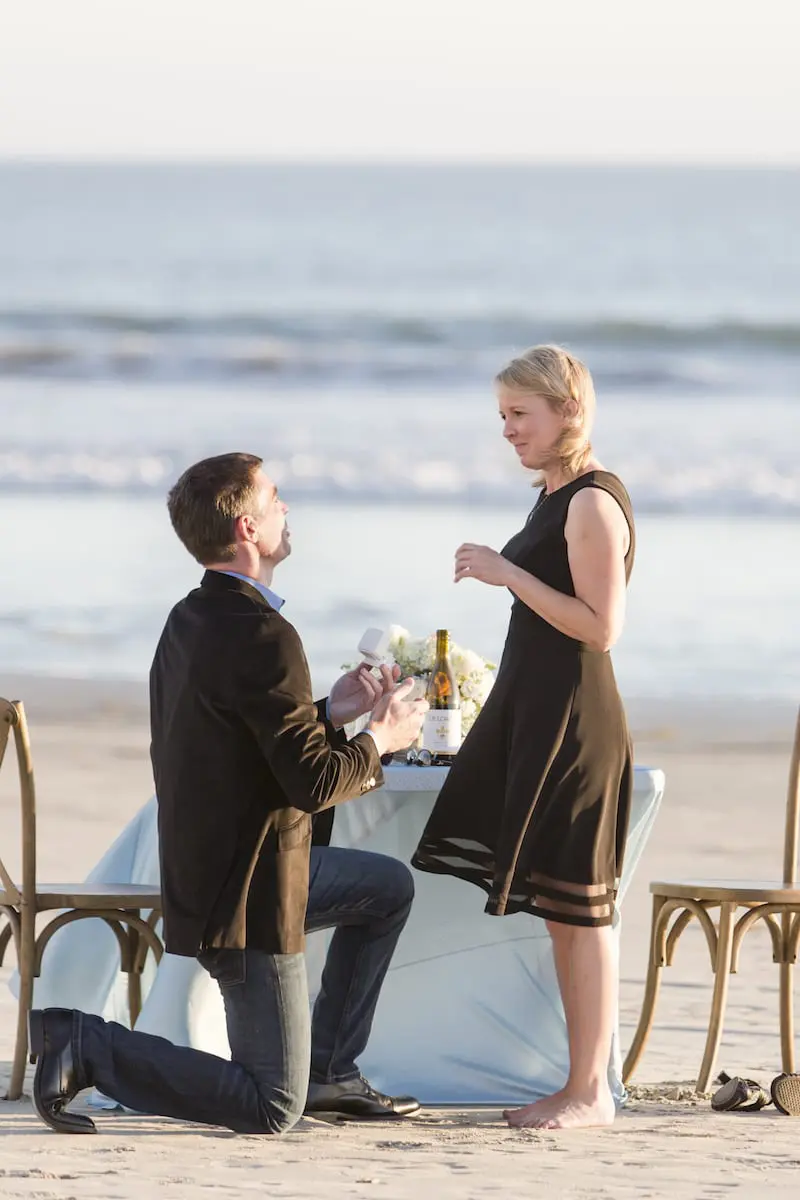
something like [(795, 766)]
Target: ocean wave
[(85, 344), (715, 488), (419, 329)]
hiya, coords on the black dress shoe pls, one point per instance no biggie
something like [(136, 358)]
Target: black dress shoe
[(58, 1077), (358, 1100)]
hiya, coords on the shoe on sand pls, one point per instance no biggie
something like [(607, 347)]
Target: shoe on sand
[(739, 1095), (785, 1090)]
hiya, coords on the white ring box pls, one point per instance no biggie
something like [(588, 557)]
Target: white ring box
[(374, 646)]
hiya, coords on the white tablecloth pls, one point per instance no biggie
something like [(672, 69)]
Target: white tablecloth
[(470, 1010)]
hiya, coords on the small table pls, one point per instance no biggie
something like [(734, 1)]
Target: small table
[(470, 1011)]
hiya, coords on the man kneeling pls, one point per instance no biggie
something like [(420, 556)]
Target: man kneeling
[(243, 759)]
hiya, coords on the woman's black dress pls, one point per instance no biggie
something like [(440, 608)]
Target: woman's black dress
[(535, 807)]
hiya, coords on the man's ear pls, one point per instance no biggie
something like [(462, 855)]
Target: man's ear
[(245, 529)]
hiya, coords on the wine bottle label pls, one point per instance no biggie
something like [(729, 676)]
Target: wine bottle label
[(441, 731)]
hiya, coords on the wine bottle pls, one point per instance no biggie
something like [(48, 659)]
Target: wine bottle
[(441, 729)]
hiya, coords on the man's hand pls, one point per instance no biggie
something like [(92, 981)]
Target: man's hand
[(396, 722), (357, 692)]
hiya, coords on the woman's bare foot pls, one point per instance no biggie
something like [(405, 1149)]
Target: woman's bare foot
[(565, 1110), (521, 1117)]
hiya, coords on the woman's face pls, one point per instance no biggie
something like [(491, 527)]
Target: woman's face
[(530, 425)]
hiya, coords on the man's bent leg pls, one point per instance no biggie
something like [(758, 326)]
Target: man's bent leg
[(262, 1089), (367, 898)]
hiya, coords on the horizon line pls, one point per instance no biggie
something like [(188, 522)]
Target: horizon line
[(375, 160)]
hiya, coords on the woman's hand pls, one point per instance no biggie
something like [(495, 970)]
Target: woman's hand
[(481, 563)]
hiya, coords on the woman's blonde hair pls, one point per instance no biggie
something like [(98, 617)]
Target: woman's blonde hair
[(566, 384)]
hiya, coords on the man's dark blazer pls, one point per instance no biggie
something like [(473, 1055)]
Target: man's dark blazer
[(242, 759)]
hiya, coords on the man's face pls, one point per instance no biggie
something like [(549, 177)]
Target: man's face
[(271, 531)]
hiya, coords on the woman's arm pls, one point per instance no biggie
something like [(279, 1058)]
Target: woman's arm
[(597, 538)]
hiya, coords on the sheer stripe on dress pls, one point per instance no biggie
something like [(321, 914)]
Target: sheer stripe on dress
[(541, 895)]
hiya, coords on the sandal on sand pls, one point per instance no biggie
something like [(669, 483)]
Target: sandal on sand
[(785, 1090), (744, 1095)]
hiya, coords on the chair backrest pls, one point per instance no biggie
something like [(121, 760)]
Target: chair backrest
[(12, 718), (792, 812)]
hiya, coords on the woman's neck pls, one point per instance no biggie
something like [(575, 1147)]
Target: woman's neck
[(556, 477)]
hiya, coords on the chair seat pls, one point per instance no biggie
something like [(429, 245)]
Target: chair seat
[(92, 895), (746, 890)]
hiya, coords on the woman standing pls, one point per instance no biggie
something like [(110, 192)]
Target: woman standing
[(535, 806)]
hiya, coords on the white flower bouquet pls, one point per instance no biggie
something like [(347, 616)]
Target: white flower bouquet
[(474, 675)]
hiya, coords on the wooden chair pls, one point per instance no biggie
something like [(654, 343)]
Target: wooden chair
[(120, 906), (776, 904)]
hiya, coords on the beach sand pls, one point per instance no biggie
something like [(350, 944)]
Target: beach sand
[(722, 816)]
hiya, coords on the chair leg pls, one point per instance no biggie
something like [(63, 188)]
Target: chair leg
[(25, 962), (134, 977), (651, 990), (5, 938), (787, 1016), (134, 996), (722, 969)]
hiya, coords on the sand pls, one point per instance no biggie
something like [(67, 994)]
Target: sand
[(722, 816)]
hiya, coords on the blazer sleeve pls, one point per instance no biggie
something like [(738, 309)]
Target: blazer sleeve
[(322, 823), (273, 696), (336, 737)]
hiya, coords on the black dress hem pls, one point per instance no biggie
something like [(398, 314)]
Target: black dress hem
[(424, 860)]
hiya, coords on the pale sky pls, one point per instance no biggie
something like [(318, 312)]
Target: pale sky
[(608, 80)]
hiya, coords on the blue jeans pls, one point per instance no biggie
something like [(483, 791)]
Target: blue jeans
[(274, 1043), (366, 899)]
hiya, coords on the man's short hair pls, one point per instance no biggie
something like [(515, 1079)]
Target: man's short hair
[(205, 502)]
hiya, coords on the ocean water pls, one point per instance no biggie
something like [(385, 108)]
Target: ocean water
[(345, 323), (88, 597)]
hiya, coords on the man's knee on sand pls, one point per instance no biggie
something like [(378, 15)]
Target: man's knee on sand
[(279, 1120)]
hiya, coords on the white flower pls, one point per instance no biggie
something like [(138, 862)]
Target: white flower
[(474, 675), (469, 711), (421, 652), (415, 657), (465, 662), (397, 635)]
